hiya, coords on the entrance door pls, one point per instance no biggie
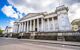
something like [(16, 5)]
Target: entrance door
[(35, 29)]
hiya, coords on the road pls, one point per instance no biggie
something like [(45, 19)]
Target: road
[(17, 44)]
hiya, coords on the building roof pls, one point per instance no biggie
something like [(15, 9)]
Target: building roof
[(29, 15)]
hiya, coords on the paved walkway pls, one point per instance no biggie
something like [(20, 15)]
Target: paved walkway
[(55, 42), (29, 44), (52, 42)]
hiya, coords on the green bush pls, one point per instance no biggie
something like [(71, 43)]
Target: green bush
[(1, 32)]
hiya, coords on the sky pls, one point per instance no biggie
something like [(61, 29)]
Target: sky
[(11, 10)]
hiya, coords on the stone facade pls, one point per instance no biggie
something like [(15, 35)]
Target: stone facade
[(44, 22)]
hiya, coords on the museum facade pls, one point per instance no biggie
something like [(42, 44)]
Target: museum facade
[(44, 21)]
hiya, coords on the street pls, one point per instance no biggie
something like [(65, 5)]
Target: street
[(18, 44)]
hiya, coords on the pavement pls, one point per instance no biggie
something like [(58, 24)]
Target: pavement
[(70, 43), (31, 44)]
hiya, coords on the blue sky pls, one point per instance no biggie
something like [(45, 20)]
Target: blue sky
[(4, 20), (11, 10)]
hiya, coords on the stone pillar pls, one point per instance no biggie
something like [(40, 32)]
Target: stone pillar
[(20, 27), (42, 25), (53, 24), (34, 25), (17, 27), (37, 24), (48, 24), (27, 26), (23, 26), (30, 25)]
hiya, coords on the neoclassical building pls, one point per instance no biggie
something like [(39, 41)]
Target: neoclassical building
[(44, 22), (8, 31)]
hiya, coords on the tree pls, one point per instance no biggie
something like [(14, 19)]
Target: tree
[(1, 32)]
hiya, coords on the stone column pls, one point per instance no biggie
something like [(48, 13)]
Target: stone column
[(53, 24), (20, 27), (34, 25), (48, 24), (27, 26), (24, 26), (42, 24), (30, 25), (17, 27), (37, 24)]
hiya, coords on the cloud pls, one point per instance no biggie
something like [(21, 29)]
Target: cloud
[(74, 12), (2, 28), (29, 6), (70, 2), (26, 6), (11, 23), (9, 11)]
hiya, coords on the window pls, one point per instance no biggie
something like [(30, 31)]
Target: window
[(50, 19), (45, 19), (55, 18)]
